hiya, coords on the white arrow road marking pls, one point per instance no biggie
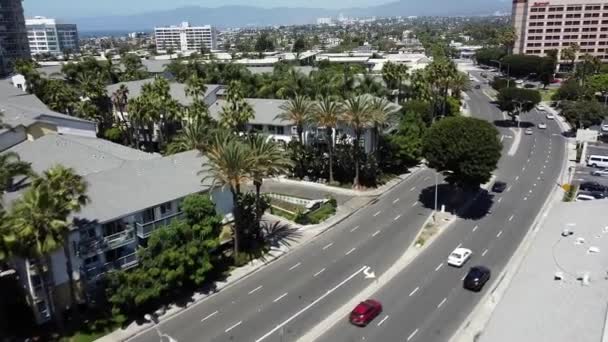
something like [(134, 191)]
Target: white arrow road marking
[(369, 274)]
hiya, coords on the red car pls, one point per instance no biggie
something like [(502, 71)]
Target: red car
[(365, 312)]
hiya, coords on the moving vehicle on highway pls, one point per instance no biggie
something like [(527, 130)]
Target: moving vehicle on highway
[(597, 161), (477, 86), (529, 131), (365, 312), (542, 125), (459, 256), (603, 172), (477, 277), (550, 116), (540, 108), (499, 186)]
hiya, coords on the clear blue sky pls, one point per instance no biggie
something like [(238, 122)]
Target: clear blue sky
[(84, 8)]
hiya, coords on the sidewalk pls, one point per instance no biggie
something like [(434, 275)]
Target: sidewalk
[(307, 234)]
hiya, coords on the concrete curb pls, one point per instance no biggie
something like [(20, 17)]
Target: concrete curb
[(263, 263), (473, 326)]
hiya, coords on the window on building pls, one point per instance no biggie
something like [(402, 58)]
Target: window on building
[(166, 208), (280, 130), (148, 215), (556, 9)]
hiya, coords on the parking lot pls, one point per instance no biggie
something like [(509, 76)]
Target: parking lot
[(583, 172)]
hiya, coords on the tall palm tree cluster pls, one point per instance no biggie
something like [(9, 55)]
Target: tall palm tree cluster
[(233, 161), (358, 113)]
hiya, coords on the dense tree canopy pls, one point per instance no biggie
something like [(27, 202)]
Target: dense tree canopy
[(517, 101), (584, 114), (469, 148)]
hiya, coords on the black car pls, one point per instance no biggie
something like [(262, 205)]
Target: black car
[(592, 187), (477, 277), (477, 86), (499, 187)]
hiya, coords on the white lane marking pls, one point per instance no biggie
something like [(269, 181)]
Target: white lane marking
[(484, 252), (397, 217), (502, 138), (414, 204), (294, 266), (475, 228), (459, 245), (517, 178), (280, 297), (438, 267), (499, 234), (352, 230), (378, 213), (509, 188), (441, 303), (209, 316), (234, 326), (413, 188), (328, 245), (500, 200), (511, 218), (395, 201), (256, 289), (412, 335), (352, 250), (376, 233), (415, 290), (382, 321), (329, 292), (316, 274), (464, 276)]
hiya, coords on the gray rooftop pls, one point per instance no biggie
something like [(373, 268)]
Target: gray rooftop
[(23, 109), (177, 90), (265, 111), (121, 180), (536, 307)]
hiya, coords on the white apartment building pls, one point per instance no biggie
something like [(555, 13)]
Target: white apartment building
[(46, 35), (541, 26), (185, 38)]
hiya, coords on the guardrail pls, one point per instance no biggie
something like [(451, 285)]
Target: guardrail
[(144, 230)]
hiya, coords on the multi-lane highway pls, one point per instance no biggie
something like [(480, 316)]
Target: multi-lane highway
[(425, 302)]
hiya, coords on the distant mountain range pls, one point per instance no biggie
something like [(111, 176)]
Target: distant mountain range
[(241, 16)]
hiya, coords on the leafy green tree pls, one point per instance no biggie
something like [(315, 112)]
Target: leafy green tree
[(120, 99), (569, 53), (599, 83), (420, 107), (439, 75), (327, 113), (517, 101), (407, 141), (264, 43), (467, 147), (488, 55), (571, 90), (299, 45), (588, 66), (11, 166), (357, 115), (298, 111), (522, 65), (195, 136), (584, 114)]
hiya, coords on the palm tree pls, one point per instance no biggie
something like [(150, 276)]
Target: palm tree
[(141, 117), (229, 164), (11, 166), (237, 111), (195, 87), (381, 111), (59, 96), (460, 82), (68, 195), (270, 160), (298, 111), (369, 85), (357, 115), (195, 136), (7, 239), (120, 99), (327, 113)]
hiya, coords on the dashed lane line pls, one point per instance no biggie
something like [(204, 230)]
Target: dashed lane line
[(415, 290), (438, 267), (396, 200), (255, 290), (475, 228), (441, 303), (485, 251), (383, 320), (295, 266), (280, 297), (351, 250), (210, 315), (328, 245), (318, 273), (499, 234), (377, 213), (511, 218), (233, 326), (352, 230), (397, 217), (412, 335), (376, 233)]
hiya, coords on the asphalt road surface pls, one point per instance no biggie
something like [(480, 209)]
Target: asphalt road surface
[(426, 302), (291, 295)]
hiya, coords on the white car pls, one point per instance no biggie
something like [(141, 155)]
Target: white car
[(542, 125), (583, 197), (550, 116), (540, 108), (529, 131), (603, 172), (459, 256)]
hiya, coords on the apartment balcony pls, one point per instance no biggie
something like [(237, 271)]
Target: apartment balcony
[(97, 244), (144, 230), (97, 271)]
